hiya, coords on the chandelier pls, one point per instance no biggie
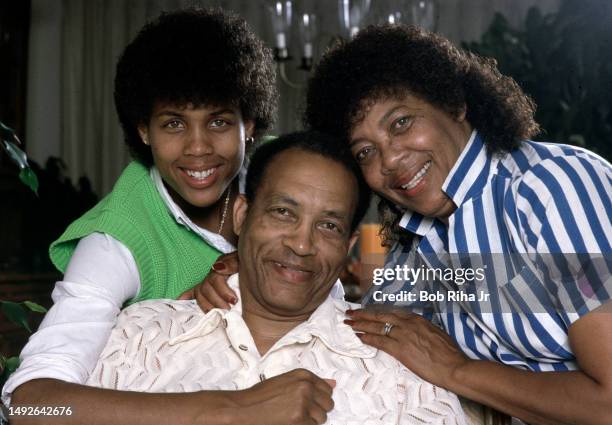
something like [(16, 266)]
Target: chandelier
[(298, 20)]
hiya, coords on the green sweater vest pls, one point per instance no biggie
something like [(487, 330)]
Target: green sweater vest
[(170, 257)]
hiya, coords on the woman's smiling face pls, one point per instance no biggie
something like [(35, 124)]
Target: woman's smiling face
[(406, 148), (198, 151)]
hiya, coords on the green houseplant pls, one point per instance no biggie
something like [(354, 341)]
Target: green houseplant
[(13, 311), (563, 60)]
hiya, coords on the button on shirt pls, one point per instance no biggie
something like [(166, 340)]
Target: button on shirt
[(535, 202), (101, 276), (171, 346)]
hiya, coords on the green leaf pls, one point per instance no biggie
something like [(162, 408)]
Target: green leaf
[(7, 367), (28, 177), (11, 365), (8, 134), (17, 155), (16, 314), (35, 307)]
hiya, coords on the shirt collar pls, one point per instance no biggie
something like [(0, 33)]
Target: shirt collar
[(466, 179), (325, 323), (213, 239), (470, 173)]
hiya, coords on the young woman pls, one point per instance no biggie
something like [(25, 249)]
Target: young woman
[(191, 90)]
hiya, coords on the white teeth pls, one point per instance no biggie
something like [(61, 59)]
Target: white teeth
[(290, 268), (417, 178), (200, 175)]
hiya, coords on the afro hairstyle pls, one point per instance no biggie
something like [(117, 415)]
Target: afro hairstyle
[(194, 57), (389, 61)]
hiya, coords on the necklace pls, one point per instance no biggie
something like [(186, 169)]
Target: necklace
[(227, 198)]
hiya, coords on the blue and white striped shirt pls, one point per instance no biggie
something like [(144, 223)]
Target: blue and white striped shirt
[(533, 203)]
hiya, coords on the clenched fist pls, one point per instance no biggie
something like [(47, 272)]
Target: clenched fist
[(298, 397)]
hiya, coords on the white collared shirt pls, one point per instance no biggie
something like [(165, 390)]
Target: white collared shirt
[(171, 346), (213, 239)]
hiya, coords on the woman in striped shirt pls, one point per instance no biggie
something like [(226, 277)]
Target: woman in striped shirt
[(443, 138)]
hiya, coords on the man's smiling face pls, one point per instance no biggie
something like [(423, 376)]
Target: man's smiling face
[(295, 236)]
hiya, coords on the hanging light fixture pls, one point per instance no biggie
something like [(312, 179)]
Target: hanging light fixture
[(425, 14), (352, 14), (281, 14), (392, 12), (422, 13), (308, 33)]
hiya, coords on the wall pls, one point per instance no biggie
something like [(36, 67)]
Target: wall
[(43, 86)]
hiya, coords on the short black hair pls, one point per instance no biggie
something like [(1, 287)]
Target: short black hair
[(204, 57), (387, 61), (311, 142)]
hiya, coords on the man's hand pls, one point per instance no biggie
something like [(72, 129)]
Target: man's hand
[(298, 397), (422, 347), (214, 292)]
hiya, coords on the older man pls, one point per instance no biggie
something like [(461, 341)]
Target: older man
[(304, 198)]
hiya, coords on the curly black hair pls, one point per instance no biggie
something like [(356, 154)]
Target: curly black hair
[(199, 57), (310, 142), (389, 61)]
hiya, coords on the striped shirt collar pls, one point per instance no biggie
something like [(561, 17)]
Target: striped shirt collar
[(465, 180), (325, 323)]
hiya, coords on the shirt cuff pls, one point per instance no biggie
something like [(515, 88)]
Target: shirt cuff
[(39, 367)]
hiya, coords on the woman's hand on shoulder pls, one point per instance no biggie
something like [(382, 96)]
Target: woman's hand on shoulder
[(423, 348), (213, 291)]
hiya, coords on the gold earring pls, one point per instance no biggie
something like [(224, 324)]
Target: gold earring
[(146, 142)]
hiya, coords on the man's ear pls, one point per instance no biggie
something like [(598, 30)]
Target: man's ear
[(143, 131), (353, 239), (239, 214)]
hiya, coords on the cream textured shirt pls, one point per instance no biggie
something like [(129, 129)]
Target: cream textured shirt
[(171, 346)]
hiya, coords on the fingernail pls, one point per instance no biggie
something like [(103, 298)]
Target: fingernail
[(218, 266), (234, 300), (359, 335), (349, 322), (350, 312)]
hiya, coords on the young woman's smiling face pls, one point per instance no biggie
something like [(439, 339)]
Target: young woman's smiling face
[(406, 148), (198, 151)]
